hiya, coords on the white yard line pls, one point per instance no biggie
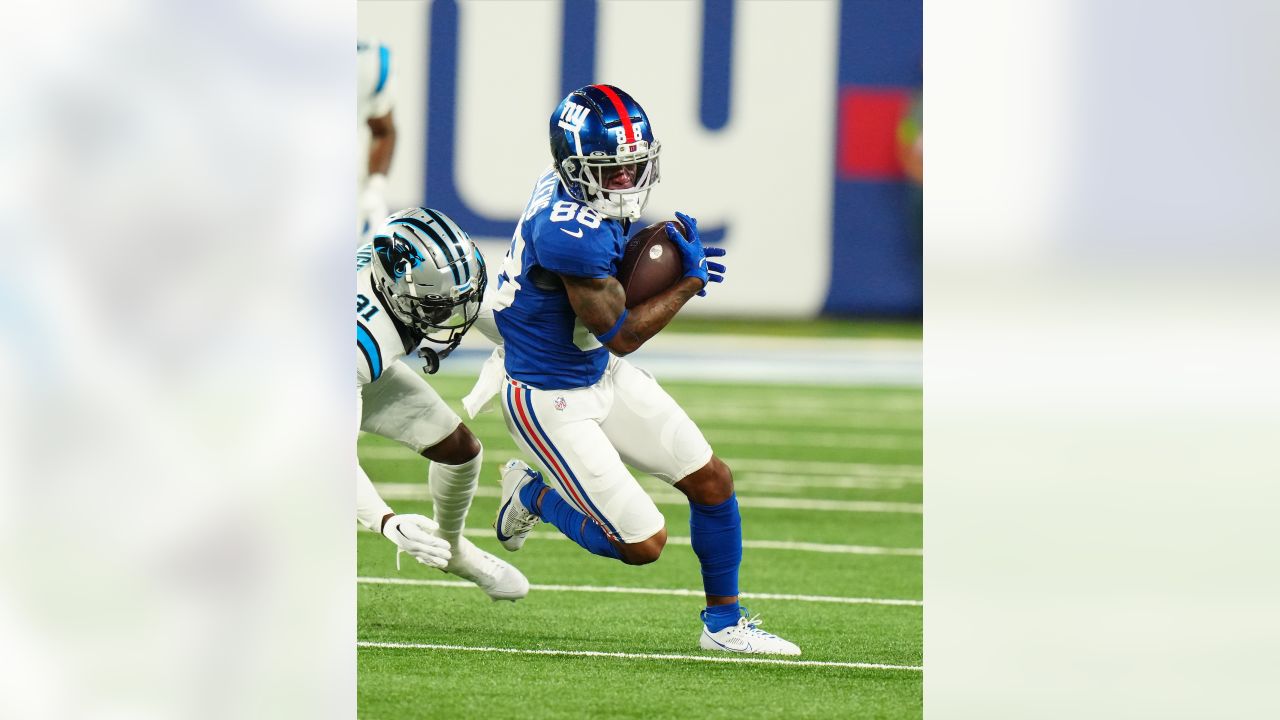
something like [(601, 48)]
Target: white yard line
[(777, 503), (419, 491), (639, 656), (677, 592), (816, 547), (792, 438), (770, 465), (829, 419), (752, 480), (750, 544), (789, 403), (822, 467), (777, 438)]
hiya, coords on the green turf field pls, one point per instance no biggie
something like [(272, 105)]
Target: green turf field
[(830, 487)]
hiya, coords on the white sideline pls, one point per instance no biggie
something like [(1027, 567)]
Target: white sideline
[(639, 656), (419, 491), (677, 592)]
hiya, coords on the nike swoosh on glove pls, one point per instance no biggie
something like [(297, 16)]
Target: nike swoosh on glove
[(413, 534)]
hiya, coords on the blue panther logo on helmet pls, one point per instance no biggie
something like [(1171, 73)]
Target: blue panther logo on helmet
[(398, 255), (604, 150)]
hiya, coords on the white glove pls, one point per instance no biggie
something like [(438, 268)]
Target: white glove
[(413, 535), (488, 384), (372, 205)]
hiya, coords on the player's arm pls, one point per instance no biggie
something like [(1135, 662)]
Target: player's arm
[(373, 198), (371, 510), (410, 533), (382, 144), (600, 304)]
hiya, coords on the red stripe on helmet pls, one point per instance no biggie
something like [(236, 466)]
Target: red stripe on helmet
[(622, 110)]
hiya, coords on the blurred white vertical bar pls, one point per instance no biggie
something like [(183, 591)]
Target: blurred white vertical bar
[(402, 25), (176, 198), (1101, 353)]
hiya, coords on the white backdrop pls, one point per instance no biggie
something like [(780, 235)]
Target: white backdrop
[(767, 174)]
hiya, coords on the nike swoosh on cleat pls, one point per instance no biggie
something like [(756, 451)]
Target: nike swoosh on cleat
[(577, 234), (498, 526)]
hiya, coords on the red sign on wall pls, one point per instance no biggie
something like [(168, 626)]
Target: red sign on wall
[(867, 148)]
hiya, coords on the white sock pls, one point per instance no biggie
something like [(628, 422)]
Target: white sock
[(452, 487)]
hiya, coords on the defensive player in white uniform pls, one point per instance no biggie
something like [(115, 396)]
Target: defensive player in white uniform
[(420, 280), (375, 99), (572, 403)]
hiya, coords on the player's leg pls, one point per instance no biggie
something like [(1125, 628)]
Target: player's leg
[(527, 500), (531, 496), (406, 408), (453, 477), (585, 491), (402, 406), (715, 531), (654, 434)]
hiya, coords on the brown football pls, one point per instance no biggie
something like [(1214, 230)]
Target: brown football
[(650, 263)]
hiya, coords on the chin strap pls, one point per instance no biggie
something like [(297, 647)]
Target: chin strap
[(431, 360), (431, 357)]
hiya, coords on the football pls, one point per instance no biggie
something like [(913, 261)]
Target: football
[(650, 263)]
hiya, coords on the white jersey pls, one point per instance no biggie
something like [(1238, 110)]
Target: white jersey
[(379, 341), (375, 81), (375, 92), (394, 400)]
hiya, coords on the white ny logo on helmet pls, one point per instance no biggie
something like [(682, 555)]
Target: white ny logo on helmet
[(571, 119)]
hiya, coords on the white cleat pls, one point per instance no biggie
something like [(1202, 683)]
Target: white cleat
[(498, 579), (514, 519), (747, 637)]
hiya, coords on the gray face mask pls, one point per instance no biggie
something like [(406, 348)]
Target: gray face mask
[(592, 174)]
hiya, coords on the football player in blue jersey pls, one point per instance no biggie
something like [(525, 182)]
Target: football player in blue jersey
[(571, 401), (421, 280)]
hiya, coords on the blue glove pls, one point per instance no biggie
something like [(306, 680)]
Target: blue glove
[(693, 255)]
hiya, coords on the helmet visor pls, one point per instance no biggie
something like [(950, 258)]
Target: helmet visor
[(439, 318)]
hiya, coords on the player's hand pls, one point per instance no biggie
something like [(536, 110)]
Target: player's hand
[(413, 534), (693, 255), (372, 205)]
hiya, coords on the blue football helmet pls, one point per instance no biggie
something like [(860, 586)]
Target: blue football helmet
[(604, 150)]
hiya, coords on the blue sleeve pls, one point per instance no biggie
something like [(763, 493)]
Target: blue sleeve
[(594, 255), (384, 67)]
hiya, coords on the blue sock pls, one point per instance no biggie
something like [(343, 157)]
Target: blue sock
[(575, 526), (529, 493), (716, 536), (719, 617)]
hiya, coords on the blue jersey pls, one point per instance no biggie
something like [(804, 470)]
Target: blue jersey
[(546, 345)]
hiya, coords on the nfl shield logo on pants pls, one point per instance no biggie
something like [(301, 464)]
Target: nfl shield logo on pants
[(560, 403)]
